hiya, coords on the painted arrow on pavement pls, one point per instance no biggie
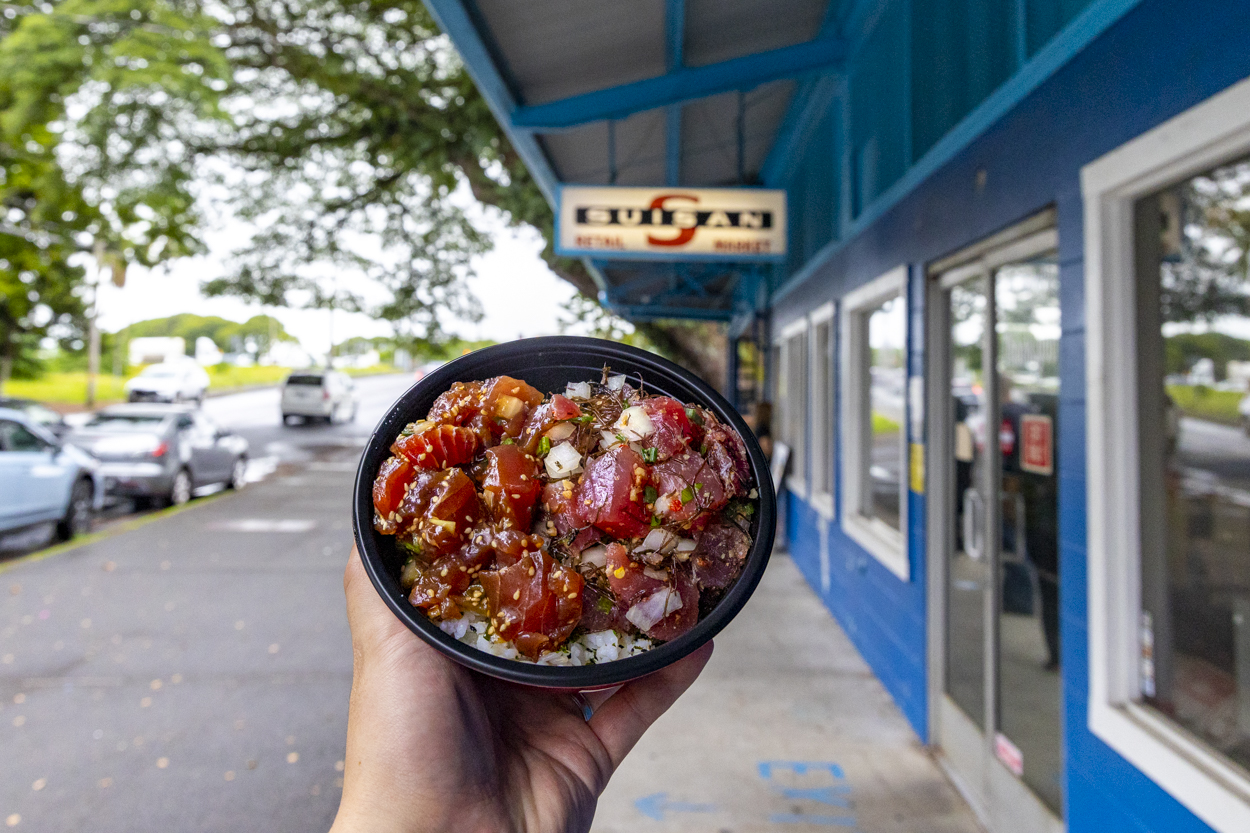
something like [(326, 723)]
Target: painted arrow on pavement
[(654, 806)]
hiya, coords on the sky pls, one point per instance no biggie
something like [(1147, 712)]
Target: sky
[(519, 295)]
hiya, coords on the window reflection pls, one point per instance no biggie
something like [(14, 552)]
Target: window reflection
[(887, 337), (1193, 244)]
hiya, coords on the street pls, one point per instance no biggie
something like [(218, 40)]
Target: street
[(192, 673)]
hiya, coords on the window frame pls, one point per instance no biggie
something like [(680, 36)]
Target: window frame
[(1212, 133), (819, 499), (796, 478), (883, 542)]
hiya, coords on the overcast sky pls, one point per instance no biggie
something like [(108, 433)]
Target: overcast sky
[(519, 295)]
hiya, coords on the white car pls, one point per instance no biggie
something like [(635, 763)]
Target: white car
[(319, 394), (183, 381)]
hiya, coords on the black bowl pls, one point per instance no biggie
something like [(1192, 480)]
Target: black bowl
[(549, 364)]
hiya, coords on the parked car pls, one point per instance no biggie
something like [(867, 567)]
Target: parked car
[(180, 381), (41, 415), (43, 481), (319, 394), (162, 453)]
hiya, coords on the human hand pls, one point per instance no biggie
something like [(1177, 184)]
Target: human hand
[(433, 747)]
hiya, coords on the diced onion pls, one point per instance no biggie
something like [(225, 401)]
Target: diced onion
[(616, 382), (634, 424), (508, 406), (662, 504), (647, 613), (659, 575), (560, 431), (657, 540), (686, 545), (563, 461), (608, 440), (577, 390), (596, 556)]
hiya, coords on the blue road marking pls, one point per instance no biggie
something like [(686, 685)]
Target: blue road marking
[(654, 806), (800, 768), (832, 796)]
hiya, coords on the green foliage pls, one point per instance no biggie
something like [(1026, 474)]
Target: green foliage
[(1206, 403), (252, 336), (1181, 351)]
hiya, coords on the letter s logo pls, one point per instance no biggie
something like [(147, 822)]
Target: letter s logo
[(685, 235)]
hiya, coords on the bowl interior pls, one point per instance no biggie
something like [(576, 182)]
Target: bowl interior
[(549, 364)]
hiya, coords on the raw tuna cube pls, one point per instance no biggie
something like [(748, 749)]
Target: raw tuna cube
[(687, 485), (510, 486), (671, 429), (610, 494), (536, 602), (719, 556)]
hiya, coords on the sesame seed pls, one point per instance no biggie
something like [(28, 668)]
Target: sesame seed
[(516, 595)]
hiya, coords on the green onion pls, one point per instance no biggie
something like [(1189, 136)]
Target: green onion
[(413, 547), (604, 604), (655, 521), (698, 487), (648, 454), (584, 419), (687, 495), (508, 441), (621, 439), (694, 416), (649, 494), (544, 446)]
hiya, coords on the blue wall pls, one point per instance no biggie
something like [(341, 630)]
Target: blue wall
[(1160, 59)]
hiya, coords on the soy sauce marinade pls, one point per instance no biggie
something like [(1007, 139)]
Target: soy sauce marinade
[(599, 509)]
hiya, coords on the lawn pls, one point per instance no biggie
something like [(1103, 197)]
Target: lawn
[(1205, 403), (71, 388)]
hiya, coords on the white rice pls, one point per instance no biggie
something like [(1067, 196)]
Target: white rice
[(588, 649)]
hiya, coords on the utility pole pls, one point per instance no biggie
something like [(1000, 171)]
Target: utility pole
[(93, 330)]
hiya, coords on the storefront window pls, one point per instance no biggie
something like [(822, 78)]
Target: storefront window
[(822, 409), (791, 402), (1193, 252), (874, 390)]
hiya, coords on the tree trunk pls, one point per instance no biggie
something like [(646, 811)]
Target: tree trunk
[(6, 362)]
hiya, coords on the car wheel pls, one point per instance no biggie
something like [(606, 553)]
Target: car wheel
[(180, 491), (238, 474), (77, 520)]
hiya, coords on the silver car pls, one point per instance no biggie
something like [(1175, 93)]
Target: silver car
[(319, 394), (162, 453), (43, 481)]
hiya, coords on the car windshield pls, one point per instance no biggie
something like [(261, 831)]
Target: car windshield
[(304, 379), (125, 423), (160, 371)]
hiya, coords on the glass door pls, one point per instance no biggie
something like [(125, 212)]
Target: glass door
[(993, 492)]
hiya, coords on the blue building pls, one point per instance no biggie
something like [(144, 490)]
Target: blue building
[(1008, 346)]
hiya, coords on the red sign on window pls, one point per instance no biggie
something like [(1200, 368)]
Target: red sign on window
[(1037, 444)]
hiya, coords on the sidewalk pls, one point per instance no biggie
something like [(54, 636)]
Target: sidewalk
[(779, 735)]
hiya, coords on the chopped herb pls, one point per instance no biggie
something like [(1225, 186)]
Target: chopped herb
[(604, 604), (544, 446), (747, 509), (698, 487), (621, 439), (649, 494), (687, 495), (694, 416), (584, 419), (409, 430), (655, 521), (508, 441), (412, 547), (648, 454)]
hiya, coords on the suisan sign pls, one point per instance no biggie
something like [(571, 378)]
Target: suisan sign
[(672, 223)]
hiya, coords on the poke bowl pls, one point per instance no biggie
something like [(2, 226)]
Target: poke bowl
[(402, 566)]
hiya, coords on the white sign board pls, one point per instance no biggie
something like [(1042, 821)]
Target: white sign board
[(671, 223)]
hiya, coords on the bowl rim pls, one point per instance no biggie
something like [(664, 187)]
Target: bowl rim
[(584, 677)]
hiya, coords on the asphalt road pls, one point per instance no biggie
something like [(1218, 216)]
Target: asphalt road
[(191, 673)]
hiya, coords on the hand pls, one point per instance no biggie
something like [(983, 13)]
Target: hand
[(432, 746)]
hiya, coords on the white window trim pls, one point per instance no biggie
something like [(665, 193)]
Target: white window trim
[(821, 501), (1214, 132), (883, 542), (796, 481)]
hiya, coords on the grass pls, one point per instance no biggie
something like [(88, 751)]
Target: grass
[(882, 424), (1205, 403), (71, 388)]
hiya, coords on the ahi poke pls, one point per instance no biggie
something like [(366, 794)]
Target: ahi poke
[(574, 528)]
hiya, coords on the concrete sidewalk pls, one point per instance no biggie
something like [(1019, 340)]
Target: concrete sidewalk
[(779, 735)]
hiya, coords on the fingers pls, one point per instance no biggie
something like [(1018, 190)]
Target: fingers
[(621, 721), (368, 616)]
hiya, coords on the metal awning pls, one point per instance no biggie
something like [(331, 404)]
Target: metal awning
[(692, 93)]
